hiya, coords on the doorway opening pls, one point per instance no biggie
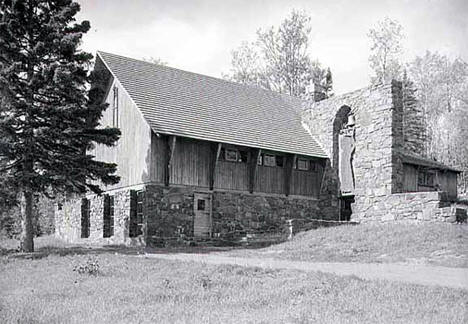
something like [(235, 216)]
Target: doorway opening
[(345, 208)]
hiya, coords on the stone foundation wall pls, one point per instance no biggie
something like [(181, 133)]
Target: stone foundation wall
[(170, 212), (415, 206)]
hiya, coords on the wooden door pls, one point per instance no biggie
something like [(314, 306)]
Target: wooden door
[(202, 212)]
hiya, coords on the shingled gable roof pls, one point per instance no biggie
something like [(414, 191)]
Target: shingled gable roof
[(187, 104)]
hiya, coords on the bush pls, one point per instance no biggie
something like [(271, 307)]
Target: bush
[(89, 267)]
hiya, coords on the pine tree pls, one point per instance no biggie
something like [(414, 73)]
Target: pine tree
[(48, 115)]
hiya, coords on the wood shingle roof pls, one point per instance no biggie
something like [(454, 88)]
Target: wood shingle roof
[(187, 104)]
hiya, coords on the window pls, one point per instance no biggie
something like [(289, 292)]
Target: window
[(136, 213), (425, 178), (85, 212), (231, 155), (234, 155), (201, 204), (269, 160), (115, 108), (302, 164), (108, 217)]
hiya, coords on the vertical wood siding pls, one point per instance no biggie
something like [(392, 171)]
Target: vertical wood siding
[(306, 183), (269, 179), (232, 175), (190, 163), (132, 153), (446, 179), (410, 182)]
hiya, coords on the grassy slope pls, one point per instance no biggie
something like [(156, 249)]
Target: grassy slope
[(438, 244), (132, 289)]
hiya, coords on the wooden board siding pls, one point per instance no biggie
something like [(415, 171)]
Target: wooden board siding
[(190, 163), (132, 152), (448, 183), (446, 179), (410, 182), (232, 175), (306, 183), (269, 179)]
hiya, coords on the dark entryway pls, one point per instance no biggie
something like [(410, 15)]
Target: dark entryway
[(345, 208)]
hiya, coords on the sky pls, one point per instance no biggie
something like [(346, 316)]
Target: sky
[(199, 35)]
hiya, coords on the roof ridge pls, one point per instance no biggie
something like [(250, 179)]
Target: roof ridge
[(237, 84)]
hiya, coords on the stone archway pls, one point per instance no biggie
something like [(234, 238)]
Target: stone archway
[(343, 153)]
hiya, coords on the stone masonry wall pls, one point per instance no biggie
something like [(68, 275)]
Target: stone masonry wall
[(68, 220), (414, 206), (377, 133), (170, 212)]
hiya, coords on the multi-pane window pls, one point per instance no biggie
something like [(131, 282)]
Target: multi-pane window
[(233, 155), (271, 160), (306, 165), (108, 217), (85, 213), (425, 178), (136, 213), (302, 164), (115, 108)]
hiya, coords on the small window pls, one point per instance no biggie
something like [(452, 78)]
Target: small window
[(136, 213), (108, 217), (231, 155), (425, 178), (115, 108), (269, 160), (302, 164), (85, 216), (201, 204)]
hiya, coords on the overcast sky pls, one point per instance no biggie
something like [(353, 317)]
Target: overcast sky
[(199, 35)]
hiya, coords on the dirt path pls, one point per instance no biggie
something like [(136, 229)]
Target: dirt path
[(416, 274)]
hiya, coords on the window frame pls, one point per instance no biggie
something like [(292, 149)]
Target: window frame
[(108, 216), (85, 217), (115, 107)]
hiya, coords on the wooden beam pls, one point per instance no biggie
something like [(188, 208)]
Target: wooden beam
[(216, 151), (254, 157), (170, 151), (289, 167)]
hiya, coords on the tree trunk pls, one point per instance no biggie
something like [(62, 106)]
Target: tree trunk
[(27, 234)]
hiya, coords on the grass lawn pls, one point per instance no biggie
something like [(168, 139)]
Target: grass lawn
[(133, 289), (428, 243)]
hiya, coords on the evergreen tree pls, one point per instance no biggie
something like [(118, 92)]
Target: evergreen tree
[(48, 118)]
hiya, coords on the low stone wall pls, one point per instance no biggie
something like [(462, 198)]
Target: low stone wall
[(415, 206)]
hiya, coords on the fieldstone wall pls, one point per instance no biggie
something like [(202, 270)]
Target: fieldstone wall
[(414, 206), (170, 213), (378, 113), (68, 219)]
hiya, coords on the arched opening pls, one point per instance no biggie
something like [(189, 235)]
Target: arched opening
[(343, 153)]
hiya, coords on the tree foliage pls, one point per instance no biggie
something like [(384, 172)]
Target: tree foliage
[(442, 92), (48, 118), (386, 49), (279, 60)]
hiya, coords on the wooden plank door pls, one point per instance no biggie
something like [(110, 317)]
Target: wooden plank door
[(202, 211)]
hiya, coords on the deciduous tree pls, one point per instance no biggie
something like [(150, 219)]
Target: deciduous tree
[(386, 49), (279, 60)]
